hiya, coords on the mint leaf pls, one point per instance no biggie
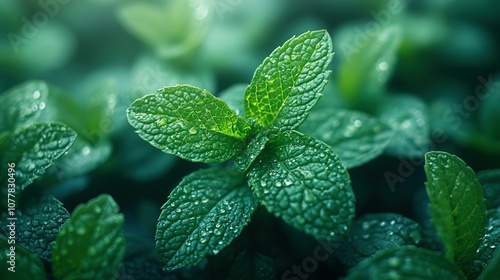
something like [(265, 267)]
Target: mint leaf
[(33, 149), (26, 266), (355, 136), (376, 232), (188, 122), (490, 179), (204, 213), (91, 244), (252, 150), (22, 105), (38, 223), (489, 243), (367, 65), (407, 116), (248, 266), (289, 82), (457, 205), (406, 262), (303, 181), (491, 271)]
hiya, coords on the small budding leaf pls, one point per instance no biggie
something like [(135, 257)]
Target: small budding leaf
[(406, 262), (203, 215), (253, 149), (34, 149), (22, 105), (303, 181), (91, 244), (188, 122), (457, 205), (407, 116), (26, 265), (376, 232), (355, 136), (290, 81), (38, 223)]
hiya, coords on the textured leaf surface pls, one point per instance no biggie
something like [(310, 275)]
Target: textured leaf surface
[(249, 266), (33, 149), (354, 136), (252, 150), (457, 205), (27, 264), (22, 105), (188, 122), (289, 82), (91, 244), (376, 232), (489, 245), (408, 117), (490, 179), (491, 271), (303, 181), (405, 262), (203, 215), (38, 224)]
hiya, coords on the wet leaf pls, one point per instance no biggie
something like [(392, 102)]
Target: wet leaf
[(405, 262), (457, 205), (22, 105), (290, 81), (303, 181), (354, 136), (190, 123), (203, 214), (91, 244)]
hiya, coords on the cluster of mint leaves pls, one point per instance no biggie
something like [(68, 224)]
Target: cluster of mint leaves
[(89, 244), (294, 176), (465, 222)]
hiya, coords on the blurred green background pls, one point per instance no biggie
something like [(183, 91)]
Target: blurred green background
[(435, 61)]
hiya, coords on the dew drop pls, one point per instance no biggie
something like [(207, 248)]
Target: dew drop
[(86, 150), (204, 200), (263, 183), (36, 94), (193, 130), (288, 182), (357, 123), (278, 184), (383, 66)]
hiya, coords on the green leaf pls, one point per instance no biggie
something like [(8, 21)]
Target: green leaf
[(22, 105), (406, 262), (491, 271), (488, 247), (91, 244), (457, 205), (33, 149), (252, 150), (289, 82), (367, 64), (248, 266), (38, 223), (203, 215), (188, 122), (355, 136), (407, 116), (303, 181), (376, 232), (490, 179), (26, 264)]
